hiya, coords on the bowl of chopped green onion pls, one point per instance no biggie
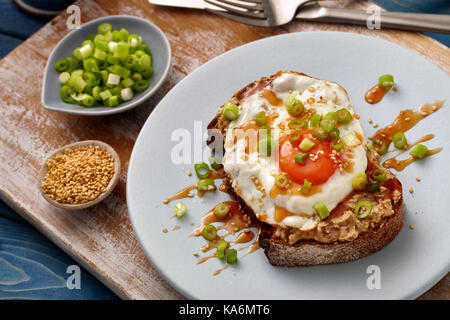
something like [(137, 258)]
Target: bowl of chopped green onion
[(108, 65)]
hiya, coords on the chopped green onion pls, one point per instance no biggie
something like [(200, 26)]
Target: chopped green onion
[(64, 77), (297, 124), (337, 145), (61, 65), (130, 62), (399, 140), (104, 28), (144, 62), (359, 181), (126, 94), (264, 131), (133, 40), (282, 181), (301, 157), (202, 170), (260, 118), (350, 140), (180, 209), (343, 116), (231, 255), (79, 84), (306, 144), (136, 76), (206, 185), (86, 51), (380, 147), (96, 93), (214, 163), (321, 210), (293, 105), (105, 95), (230, 111), (419, 151), (379, 175), (113, 79), (294, 136), (141, 85), (77, 54), (88, 101), (122, 50), (315, 121), (223, 245), (90, 65), (265, 146), (66, 94), (124, 34), (306, 187), (320, 133), (373, 187), (100, 54), (366, 212), (221, 210), (127, 83), (328, 122), (209, 232), (334, 134), (386, 80), (113, 101)]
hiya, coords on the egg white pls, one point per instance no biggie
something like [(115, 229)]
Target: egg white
[(243, 170)]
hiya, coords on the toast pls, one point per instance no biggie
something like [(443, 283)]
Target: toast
[(287, 246)]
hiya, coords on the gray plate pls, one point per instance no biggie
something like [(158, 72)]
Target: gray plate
[(151, 35), (409, 266)]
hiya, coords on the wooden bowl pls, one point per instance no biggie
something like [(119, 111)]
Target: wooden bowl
[(112, 183)]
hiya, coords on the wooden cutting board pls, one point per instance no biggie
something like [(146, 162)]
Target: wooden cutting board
[(101, 238)]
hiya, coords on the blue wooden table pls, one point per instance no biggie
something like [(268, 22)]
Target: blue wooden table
[(31, 267)]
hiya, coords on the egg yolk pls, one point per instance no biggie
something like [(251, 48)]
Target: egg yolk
[(317, 171)]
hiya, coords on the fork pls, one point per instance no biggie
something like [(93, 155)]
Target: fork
[(271, 13)]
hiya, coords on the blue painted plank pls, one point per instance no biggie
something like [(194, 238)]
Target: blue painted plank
[(8, 213), (417, 6), (33, 268), (8, 43), (15, 22)]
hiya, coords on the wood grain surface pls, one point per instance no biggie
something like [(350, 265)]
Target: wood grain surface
[(101, 238)]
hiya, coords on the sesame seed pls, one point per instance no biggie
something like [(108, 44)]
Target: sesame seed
[(418, 179), (411, 226), (411, 190)]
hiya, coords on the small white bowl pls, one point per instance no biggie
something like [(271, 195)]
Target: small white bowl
[(112, 184), (151, 35)]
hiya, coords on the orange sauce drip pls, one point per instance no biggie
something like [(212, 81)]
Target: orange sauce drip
[(244, 237), (399, 165), (281, 213), (217, 272), (405, 121), (216, 174), (376, 93), (272, 97), (183, 193), (247, 92)]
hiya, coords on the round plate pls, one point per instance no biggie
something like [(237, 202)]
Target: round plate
[(406, 268), (151, 35)]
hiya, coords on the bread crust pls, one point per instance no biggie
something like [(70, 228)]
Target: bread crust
[(311, 252)]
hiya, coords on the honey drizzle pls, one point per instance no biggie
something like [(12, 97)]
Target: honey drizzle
[(376, 93), (272, 97)]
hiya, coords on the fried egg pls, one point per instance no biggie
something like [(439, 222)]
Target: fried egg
[(329, 171)]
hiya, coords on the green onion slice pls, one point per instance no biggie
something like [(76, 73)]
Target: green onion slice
[(202, 170), (297, 124), (419, 151), (328, 122), (301, 157), (209, 232), (399, 140), (343, 116), (306, 187), (373, 187), (320, 133), (231, 111), (294, 136), (214, 163), (231, 255), (334, 134), (380, 147), (379, 175), (180, 209), (282, 181), (366, 212), (386, 80), (260, 118), (293, 105), (223, 245), (206, 185), (359, 181), (321, 210), (221, 210), (141, 85), (61, 65), (306, 144), (315, 121), (337, 145)]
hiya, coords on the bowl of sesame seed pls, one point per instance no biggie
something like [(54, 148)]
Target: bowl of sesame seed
[(79, 175)]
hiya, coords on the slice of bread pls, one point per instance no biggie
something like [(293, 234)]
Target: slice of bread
[(308, 251)]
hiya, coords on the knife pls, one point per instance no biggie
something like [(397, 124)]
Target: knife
[(317, 13)]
